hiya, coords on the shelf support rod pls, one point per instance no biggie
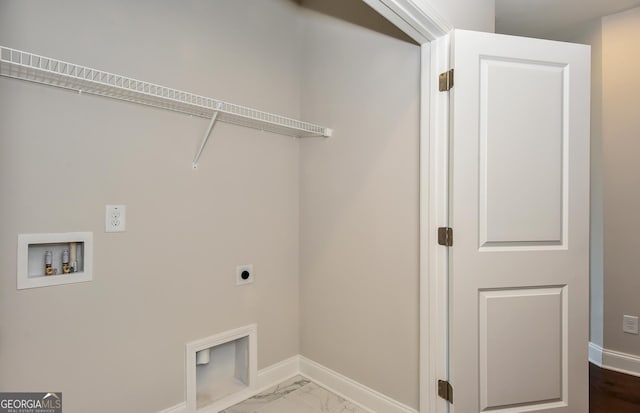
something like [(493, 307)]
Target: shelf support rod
[(214, 117)]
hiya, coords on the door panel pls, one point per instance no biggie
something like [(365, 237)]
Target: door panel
[(506, 318), (519, 202), (521, 118)]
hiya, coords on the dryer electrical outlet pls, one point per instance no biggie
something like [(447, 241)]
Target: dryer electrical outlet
[(244, 274)]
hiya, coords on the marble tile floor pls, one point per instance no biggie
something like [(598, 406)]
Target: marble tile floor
[(296, 395)]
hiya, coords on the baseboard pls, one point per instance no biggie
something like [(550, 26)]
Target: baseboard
[(361, 395), (614, 360), (265, 378), (621, 362), (595, 354), (277, 373), (178, 408)]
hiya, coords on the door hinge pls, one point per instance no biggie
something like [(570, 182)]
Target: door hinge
[(446, 81), (445, 390), (445, 236)]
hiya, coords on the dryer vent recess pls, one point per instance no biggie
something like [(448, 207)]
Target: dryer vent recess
[(244, 274)]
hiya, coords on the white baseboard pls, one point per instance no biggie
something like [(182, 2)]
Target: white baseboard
[(614, 360), (621, 362), (351, 390), (595, 354), (277, 373), (265, 378), (178, 408)]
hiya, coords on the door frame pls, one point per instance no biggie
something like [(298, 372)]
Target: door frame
[(428, 28)]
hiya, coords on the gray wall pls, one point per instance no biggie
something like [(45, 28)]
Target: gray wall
[(621, 171), (359, 205), (117, 343)]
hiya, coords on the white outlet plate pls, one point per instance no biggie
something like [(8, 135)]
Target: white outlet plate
[(115, 218), (242, 268), (630, 324)]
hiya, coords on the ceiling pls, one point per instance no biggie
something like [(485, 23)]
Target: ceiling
[(543, 18)]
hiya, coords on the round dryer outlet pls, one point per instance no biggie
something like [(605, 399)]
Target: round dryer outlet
[(244, 274)]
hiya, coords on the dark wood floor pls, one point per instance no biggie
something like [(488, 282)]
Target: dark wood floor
[(612, 392)]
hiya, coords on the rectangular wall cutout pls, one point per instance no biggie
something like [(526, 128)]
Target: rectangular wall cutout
[(221, 369), (53, 259)]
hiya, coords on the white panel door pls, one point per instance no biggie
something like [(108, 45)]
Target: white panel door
[(519, 209)]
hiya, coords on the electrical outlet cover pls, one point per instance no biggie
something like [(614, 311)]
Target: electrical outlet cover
[(115, 218), (244, 274), (630, 324)]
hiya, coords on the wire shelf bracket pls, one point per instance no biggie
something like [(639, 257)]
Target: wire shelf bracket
[(205, 139), (27, 66)]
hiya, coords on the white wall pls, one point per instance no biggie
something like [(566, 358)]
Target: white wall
[(621, 152), (359, 205), (117, 344)]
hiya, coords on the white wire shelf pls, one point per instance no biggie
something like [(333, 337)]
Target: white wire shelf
[(39, 69)]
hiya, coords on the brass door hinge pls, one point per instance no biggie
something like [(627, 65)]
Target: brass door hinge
[(446, 81), (445, 390), (445, 236)]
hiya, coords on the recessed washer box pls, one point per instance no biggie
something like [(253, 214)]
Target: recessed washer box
[(221, 370), (41, 259)]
